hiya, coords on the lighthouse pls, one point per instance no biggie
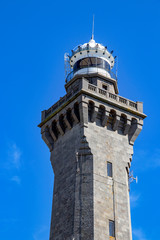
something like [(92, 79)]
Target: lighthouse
[(90, 133)]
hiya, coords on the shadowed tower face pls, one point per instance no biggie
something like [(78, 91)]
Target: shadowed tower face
[(90, 133)]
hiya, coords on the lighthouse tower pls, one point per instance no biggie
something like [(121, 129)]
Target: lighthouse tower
[(90, 133)]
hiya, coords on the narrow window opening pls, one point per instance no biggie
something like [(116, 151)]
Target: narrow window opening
[(90, 110), (112, 117), (109, 169), (111, 228)]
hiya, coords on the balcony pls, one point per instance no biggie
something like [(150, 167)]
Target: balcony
[(113, 97), (86, 87)]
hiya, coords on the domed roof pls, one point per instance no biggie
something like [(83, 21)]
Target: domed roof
[(93, 44), (91, 49)]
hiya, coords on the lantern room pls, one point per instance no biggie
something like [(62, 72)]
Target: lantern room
[(91, 58)]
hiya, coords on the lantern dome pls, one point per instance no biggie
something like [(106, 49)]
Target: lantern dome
[(91, 57)]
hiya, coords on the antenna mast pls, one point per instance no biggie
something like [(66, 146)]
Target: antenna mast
[(117, 68), (93, 28)]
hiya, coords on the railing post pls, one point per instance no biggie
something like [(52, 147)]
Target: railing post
[(96, 89), (140, 106), (84, 83), (43, 115), (107, 94)]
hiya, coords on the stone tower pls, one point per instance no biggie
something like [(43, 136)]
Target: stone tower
[(90, 133)]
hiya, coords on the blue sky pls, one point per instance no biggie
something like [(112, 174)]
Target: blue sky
[(34, 37)]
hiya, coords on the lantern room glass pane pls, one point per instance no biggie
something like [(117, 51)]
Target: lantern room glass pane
[(91, 62), (100, 63), (83, 63)]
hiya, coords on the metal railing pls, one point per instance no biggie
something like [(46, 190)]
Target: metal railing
[(69, 77), (112, 74)]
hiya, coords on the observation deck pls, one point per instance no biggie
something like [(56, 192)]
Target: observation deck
[(89, 89)]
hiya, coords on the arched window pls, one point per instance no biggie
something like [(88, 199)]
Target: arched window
[(134, 121)]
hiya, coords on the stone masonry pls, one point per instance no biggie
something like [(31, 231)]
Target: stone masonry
[(84, 130)]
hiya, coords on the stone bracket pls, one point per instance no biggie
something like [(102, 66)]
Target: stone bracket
[(135, 130), (105, 119), (47, 138), (95, 113), (67, 122), (59, 128), (74, 116), (52, 133), (127, 127), (116, 123)]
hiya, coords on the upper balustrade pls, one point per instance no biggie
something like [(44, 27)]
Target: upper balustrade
[(113, 97), (87, 87)]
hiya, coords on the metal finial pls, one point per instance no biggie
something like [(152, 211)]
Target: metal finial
[(93, 28)]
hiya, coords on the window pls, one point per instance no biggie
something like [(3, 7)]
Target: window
[(109, 169), (90, 110), (111, 228), (104, 87), (91, 62)]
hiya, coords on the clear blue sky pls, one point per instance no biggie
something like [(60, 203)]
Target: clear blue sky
[(34, 37)]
